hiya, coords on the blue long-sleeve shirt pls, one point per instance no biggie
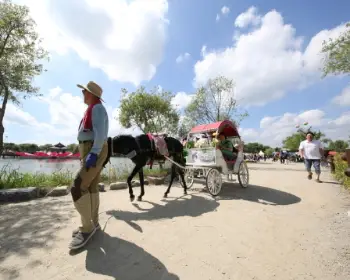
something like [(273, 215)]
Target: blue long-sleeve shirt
[(100, 126)]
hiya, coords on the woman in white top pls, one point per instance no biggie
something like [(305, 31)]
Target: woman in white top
[(312, 150)]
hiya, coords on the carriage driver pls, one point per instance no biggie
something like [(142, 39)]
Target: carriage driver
[(228, 151)]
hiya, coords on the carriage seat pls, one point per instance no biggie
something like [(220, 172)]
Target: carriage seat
[(230, 164)]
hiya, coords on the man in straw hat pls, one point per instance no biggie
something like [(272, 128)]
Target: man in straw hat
[(93, 149)]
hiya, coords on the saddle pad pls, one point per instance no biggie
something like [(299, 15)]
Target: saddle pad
[(159, 143), (161, 146)]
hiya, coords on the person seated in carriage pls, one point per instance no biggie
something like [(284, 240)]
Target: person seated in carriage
[(229, 152)]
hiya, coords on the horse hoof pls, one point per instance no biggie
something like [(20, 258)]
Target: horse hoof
[(139, 198), (185, 193), (165, 195), (132, 198)]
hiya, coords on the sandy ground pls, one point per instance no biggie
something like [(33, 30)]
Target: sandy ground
[(282, 227)]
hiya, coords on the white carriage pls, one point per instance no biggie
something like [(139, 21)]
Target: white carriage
[(208, 161)]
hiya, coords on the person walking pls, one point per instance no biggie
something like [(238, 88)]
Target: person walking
[(312, 150), (93, 149)]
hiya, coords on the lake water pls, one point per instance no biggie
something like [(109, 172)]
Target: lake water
[(50, 165)]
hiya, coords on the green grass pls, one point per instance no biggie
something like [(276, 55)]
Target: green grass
[(13, 178), (340, 167)]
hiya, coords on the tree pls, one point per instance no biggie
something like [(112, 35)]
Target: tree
[(28, 147), (255, 147), (20, 55), (11, 147), (292, 142), (186, 124), (268, 152), (151, 112), (338, 145), (72, 147), (337, 53), (45, 147), (215, 102)]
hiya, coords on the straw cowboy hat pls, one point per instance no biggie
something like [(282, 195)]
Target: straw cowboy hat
[(93, 88)]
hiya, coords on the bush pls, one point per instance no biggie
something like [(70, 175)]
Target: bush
[(340, 167), (12, 178)]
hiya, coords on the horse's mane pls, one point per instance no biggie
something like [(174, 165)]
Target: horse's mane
[(124, 137)]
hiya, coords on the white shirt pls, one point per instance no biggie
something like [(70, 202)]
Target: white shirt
[(311, 149)]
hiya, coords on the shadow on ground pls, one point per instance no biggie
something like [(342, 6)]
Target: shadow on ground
[(254, 193), (187, 205), (121, 259), (258, 194), (24, 226)]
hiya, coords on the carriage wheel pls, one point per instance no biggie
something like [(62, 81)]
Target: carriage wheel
[(243, 175), (189, 178), (214, 182)]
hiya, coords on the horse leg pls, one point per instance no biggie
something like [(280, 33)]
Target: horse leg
[(173, 173), (182, 176), (131, 176), (142, 184)]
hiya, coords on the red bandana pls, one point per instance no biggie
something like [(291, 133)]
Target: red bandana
[(87, 119)]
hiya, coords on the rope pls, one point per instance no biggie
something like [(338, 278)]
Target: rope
[(174, 162)]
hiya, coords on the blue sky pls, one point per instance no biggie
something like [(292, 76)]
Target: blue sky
[(270, 48)]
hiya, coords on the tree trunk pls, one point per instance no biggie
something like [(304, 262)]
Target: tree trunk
[(2, 130), (2, 114)]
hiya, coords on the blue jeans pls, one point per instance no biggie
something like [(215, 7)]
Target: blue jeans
[(315, 162)]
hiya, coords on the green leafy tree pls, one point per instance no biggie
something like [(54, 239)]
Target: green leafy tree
[(72, 147), (326, 140), (20, 56), (185, 126), (11, 147), (255, 147), (28, 147), (151, 112), (338, 145), (45, 147), (292, 142), (337, 53), (269, 152), (215, 102)]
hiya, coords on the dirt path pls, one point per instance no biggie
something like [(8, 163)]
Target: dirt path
[(282, 227)]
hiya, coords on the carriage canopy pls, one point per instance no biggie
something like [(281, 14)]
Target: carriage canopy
[(226, 126)]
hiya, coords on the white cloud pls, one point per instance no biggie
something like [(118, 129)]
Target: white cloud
[(181, 100), (183, 57), (224, 11), (67, 110), (343, 99), (249, 17), (123, 38), (273, 129), (16, 116), (267, 62), (312, 56), (65, 113)]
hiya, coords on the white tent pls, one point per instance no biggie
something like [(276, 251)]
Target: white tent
[(261, 154)]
